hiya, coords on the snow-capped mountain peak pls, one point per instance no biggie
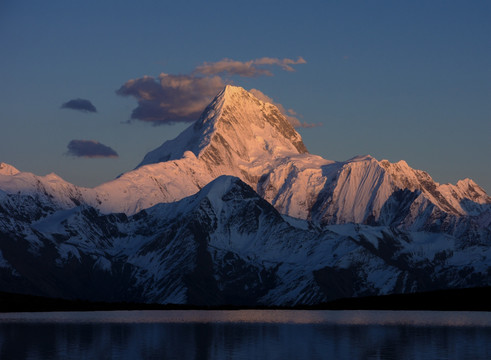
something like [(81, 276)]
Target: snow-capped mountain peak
[(447, 197), (6, 169), (235, 127)]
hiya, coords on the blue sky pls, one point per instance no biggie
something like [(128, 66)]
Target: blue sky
[(397, 80)]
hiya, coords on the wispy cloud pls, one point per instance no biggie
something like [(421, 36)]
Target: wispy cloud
[(290, 114), (80, 105), (251, 68), (90, 149)]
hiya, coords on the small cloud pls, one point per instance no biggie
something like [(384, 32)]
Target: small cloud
[(307, 125), (171, 98), (290, 114), (263, 97), (285, 64), (79, 104), (90, 149), (232, 67), (251, 68)]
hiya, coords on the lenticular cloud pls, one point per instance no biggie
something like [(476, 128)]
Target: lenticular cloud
[(251, 68), (80, 105), (90, 149)]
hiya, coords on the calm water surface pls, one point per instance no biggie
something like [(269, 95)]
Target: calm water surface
[(246, 334)]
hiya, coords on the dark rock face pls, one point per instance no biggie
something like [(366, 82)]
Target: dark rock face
[(336, 283)]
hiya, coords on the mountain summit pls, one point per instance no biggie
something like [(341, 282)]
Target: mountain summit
[(235, 127)]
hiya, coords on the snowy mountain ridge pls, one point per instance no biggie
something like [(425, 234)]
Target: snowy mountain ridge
[(241, 136), (223, 245)]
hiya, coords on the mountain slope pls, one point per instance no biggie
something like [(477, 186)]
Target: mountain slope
[(364, 190), (223, 245), (51, 187)]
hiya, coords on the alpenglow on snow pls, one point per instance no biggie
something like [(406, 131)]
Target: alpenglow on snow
[(292, 229)]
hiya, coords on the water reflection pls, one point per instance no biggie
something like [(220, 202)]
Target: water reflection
[(195, 335)]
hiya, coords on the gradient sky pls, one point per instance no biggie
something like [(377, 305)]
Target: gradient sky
[(397, 80)]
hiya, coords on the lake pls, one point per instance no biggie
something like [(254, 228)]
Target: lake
[(246, 334)]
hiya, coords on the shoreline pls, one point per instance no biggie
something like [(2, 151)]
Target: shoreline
[(470, 299)]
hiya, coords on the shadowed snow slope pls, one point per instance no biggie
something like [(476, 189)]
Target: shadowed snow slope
[(223, 245)]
